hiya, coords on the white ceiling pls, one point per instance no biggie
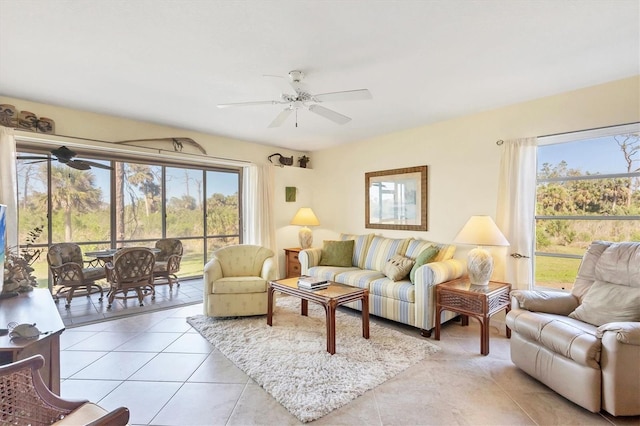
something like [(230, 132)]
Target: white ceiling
[(171, 62)]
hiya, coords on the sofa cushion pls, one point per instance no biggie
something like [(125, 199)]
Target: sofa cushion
[(428, 255), (360, 247), (358, 277), (397, 290), (329, 272), (415, 247), (606, 302), (568, 337), (337, 253), (397, 267), (381, 249), (446, 252)]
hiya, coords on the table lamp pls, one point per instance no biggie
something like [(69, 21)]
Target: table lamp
[(480, 231), (305, 217)]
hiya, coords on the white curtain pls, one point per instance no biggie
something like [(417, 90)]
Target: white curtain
[(259, 226), (516, 208), (8, 185)]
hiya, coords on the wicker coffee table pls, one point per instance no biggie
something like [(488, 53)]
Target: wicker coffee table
[(330, 298)]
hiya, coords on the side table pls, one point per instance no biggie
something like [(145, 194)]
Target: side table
[(480, 302), (293, 268)]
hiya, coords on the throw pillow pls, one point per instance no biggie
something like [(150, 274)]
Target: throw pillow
[(426, 256), (336, 253), (606, 302), (361, 244), (397, 267)]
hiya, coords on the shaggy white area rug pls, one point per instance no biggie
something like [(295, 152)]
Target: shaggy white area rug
[(290, 360)]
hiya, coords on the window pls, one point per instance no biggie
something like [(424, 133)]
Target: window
[(133, 204), (588, 188)]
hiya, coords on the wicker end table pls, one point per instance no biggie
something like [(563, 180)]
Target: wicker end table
[(480, 302)]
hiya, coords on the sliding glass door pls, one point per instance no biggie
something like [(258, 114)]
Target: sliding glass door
[(134, 204)]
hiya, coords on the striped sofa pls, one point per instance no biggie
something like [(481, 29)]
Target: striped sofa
[(407, 302)]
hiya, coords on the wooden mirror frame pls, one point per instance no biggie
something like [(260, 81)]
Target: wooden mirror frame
[(415, 177)]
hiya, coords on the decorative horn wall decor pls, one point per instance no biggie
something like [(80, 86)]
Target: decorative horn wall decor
[(178, 143), (284, 161)]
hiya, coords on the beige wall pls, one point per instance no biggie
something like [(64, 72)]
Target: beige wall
[(462, 156), (88, 125)]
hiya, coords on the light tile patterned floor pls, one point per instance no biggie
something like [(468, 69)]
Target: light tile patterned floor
[(167, 374)]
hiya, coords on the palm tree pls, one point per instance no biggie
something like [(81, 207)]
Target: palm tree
[(73, 191)]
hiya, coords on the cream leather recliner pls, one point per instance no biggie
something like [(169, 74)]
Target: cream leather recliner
[(236, 279), (585, 345)]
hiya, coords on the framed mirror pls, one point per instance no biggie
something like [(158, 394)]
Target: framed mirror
[(396, 199)]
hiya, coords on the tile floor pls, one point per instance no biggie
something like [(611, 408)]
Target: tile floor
[(86, 310), (167, 374)]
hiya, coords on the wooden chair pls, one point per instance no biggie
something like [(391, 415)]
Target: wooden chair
[(26, 400), (131, 269), (69, 272), (167, 262)]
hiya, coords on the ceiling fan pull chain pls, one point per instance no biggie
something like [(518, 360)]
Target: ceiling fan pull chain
[(296, 117)]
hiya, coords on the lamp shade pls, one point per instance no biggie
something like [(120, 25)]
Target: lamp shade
[(305, 217), (481, 231)]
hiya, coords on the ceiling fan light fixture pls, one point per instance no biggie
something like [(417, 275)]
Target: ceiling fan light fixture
[(302, 98), (296, 76)]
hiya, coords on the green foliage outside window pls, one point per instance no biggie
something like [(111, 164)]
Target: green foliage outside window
[(575, 207)]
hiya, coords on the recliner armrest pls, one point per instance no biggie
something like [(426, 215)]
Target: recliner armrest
[(626, 332), (551, 302)]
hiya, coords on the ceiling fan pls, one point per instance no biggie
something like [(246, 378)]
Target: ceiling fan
[(65, 156), (295, 96)]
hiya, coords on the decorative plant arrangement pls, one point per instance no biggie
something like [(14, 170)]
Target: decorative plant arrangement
[(17, 265)]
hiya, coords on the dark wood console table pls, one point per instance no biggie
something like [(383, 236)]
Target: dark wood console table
[(34, 307)]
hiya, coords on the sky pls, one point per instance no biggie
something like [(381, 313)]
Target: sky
[(600, 155)]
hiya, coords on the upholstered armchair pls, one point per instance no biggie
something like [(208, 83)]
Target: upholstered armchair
[(585, 345), (69, 272), (167, 262), (26, 400), (131, 270), (236, 279)]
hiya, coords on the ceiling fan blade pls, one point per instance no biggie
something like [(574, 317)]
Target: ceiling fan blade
[(32, 157), (347, 95), (283, 84), (284, 114), (78, 165), (96, 164), (236, 104), (329, 114)]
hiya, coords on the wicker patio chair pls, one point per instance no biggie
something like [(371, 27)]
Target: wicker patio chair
[(69, 272), (26, 400), (131, 269), (167, 262)]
